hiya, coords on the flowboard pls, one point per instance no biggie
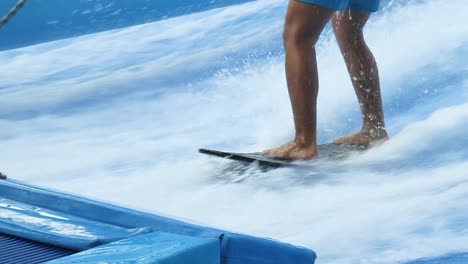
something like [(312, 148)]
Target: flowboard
[(329, 151)]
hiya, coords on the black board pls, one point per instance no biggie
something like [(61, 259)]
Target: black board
[(330, 151)]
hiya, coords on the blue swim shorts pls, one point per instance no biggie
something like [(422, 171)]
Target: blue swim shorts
[(340, 5)]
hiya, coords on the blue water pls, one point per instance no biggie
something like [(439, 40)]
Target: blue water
[(42, 21), (118, 115)]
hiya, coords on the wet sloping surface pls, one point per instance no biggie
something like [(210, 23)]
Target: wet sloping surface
[(57, 228), (119, 116)]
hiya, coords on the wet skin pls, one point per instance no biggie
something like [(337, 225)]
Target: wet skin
[(303, 26)]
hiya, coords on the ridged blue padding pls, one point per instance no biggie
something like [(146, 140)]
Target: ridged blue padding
[(235, 249), (14, 250), (57, 228), (152, 248)]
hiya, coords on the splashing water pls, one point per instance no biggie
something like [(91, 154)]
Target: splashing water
[(119, 116)]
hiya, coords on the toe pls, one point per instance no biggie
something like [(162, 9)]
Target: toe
[(340, 141), (267, 153)]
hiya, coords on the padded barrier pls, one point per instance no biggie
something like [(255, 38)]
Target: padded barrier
[(235, 249), (153, 248), (23, 251), (58, 229)]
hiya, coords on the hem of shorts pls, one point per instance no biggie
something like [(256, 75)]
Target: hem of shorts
[(334, 8), (364, 9), (322, 4)]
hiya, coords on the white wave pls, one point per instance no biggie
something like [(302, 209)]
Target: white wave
[(140, 149), (443, 127)]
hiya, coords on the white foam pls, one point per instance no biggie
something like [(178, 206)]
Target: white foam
[(139, 149)]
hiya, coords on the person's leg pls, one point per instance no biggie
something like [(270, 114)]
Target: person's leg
[(304, 23), (362, 67)]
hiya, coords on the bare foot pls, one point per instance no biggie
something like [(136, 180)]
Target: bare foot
[(292, 151), (364, 138), (2, 176)]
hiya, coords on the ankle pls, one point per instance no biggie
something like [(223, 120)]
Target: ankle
[(372, 125), (304, 141), (374, 130)]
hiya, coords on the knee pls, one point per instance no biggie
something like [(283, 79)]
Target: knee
[(349, 33), (349, 39), (297, 34)]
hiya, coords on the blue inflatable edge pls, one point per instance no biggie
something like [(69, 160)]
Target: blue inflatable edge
[(235, 248), (157, 248), (59, 229)]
